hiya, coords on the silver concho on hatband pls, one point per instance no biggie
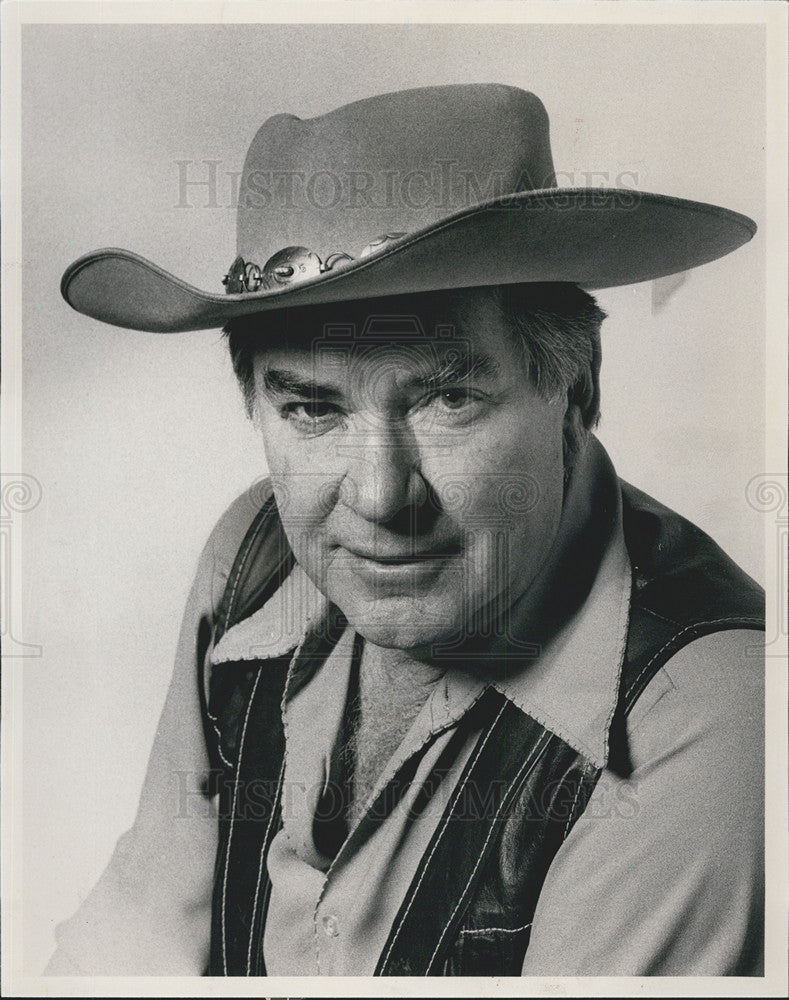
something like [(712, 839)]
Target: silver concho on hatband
[(291, 265)]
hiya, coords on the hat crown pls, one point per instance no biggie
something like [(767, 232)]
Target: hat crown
[(419, 190), (396, 162)]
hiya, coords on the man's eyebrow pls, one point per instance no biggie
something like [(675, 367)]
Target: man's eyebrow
[(280, 380), (458, 368), (455, 368)]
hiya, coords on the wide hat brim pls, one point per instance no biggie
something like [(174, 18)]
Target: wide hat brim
[(593, 237)]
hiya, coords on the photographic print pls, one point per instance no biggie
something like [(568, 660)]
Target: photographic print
[(394, 498)]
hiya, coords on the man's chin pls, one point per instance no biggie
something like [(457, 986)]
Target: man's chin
[(403, 624)]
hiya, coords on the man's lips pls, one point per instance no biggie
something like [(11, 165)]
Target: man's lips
[(390, 557), (398, 571)]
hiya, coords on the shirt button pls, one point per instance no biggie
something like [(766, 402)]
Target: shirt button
[(331, 926)]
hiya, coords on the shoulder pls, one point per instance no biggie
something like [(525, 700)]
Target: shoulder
[(706, 706), (684, 588), (681, 574), (226, 539), (663, 872), (692, 770), (230, 529)]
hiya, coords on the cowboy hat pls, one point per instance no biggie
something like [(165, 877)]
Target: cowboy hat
[(418, 190)]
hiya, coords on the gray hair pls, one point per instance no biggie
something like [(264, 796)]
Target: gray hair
[(558, 327)]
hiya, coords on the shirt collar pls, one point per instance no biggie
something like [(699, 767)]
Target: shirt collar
[(572, 686), (568, 682), (284, 622)]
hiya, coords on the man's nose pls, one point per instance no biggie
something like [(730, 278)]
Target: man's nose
[(383, 478)]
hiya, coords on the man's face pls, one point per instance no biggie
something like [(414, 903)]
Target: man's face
[(419, 476)]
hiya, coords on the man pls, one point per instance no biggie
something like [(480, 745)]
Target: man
[(450, 698)]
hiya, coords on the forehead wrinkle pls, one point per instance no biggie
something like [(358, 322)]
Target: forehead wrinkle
[(458, 364), (421, 364)]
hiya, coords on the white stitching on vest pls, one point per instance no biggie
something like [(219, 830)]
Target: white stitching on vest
[(572, 807), (495, 930), (233, 818), (438, 838), (224, 759), (529, 760), (688, 628), (260, 868), (240, 571)]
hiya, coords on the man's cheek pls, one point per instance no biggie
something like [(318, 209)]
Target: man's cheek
[(292, 482), (490, 501), (304, 502), (504, 480)]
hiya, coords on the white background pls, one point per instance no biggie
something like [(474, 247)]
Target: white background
[(139, 440)]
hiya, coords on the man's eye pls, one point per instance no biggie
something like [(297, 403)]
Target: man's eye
[(455, 399), (316, 410), (310, 414), (456, 405)]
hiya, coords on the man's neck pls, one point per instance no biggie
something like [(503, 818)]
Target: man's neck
[(393, 687), (394, 669)]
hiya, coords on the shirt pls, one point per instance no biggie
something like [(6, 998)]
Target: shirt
[(661, 875)]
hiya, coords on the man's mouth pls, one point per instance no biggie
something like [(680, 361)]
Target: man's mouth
[(397, 570), (395, 557)]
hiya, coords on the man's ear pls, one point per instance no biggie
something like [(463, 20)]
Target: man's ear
[(574, 433)]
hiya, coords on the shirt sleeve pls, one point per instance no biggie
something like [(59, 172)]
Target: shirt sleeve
[(150, 912), (663, 874)]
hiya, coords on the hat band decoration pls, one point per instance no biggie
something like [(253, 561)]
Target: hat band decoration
[(290, 265)]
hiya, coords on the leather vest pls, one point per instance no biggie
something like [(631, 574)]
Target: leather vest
[(469, 908)]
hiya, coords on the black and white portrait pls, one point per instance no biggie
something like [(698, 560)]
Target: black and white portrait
[(393, 483)]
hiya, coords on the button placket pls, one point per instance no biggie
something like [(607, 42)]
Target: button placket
[(327, 937)]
